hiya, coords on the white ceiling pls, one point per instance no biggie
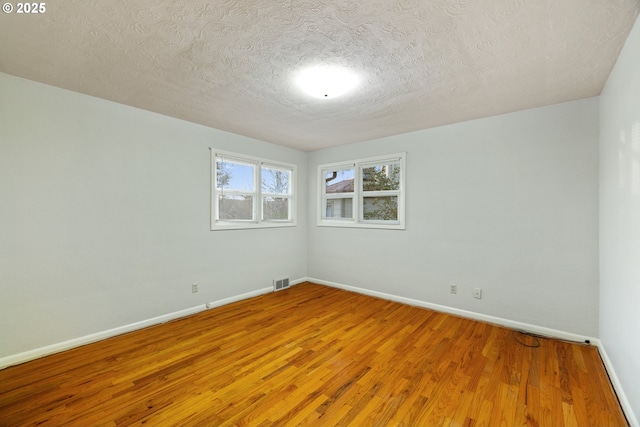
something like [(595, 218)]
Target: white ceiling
[(228, 64)]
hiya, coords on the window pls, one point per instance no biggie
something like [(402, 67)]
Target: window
[(250, 192), (363, 193)]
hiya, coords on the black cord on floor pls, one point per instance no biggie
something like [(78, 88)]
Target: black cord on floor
[(536, 342)]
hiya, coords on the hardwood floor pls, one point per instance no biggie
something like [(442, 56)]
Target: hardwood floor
[(312, 355)]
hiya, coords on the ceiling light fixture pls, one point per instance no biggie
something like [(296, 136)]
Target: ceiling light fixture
[(326, 81)]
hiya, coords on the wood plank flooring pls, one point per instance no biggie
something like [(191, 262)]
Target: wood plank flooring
[(314, 356)]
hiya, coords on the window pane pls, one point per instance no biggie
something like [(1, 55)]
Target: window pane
[(381, 177), (383, 208), (340, 181), (234, 175), (339, 208), (275, 208), (235, 207), (276, 180)]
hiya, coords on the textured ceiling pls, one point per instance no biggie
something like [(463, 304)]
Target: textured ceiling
[(228, 64)]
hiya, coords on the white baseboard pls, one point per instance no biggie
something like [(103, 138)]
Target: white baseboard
[(617, 386), (225, 301), (99, 336), (553, 333), (76, 342), (526, 327)]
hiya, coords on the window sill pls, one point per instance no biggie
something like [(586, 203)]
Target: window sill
[(222, 226), (351, 224)]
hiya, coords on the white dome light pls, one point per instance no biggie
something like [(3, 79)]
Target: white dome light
[(326, 81)]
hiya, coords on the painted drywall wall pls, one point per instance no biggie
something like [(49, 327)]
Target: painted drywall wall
[(508, 204), (104, 217), (620, 220)]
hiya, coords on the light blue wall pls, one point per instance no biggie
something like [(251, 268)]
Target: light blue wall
[(620, 220), (508, 204), (104, 217)]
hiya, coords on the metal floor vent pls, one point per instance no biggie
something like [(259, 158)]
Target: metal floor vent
[(280, 284)]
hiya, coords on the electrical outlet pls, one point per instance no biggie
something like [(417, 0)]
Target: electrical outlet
[(477, 293), (453, 288), (194, 288)]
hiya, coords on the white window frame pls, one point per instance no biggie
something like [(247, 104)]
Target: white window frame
[(358, 194), (257, 221)]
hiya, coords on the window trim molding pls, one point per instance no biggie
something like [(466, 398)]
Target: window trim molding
[(358, 194), (258, 222)]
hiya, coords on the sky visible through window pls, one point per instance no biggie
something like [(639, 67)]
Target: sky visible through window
[(251, 193), (235, 176), (275, 180), (339, 181)]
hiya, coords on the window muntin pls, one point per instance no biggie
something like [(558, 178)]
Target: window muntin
[(251, 192), (363, 193)]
